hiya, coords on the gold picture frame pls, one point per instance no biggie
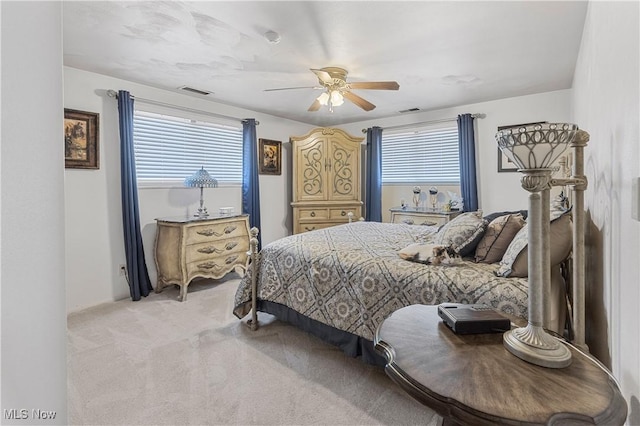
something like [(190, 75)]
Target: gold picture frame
[(81, 145), (270, 159)]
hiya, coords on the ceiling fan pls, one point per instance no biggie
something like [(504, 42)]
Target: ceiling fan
[(333, 80)]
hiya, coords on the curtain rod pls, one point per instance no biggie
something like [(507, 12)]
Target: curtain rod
[(444, 120), (113, 94)]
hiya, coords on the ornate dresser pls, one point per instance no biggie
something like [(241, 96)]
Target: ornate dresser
[(187, 248), (326, 179), (421, 216)]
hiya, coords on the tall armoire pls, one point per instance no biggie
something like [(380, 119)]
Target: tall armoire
[(326, 179)]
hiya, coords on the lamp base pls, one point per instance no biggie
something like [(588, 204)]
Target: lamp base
[(534, 345), (202, 213)]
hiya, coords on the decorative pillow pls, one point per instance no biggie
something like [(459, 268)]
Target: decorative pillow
[(497, 237), (462, 233), (514, 263), (495, 215)]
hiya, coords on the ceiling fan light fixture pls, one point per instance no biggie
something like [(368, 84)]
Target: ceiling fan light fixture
[(336, 98), (323, 98)]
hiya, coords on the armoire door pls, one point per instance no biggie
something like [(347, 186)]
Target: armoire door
[(343, 176), (312, 164)]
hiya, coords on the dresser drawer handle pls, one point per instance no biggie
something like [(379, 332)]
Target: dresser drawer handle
[(429, 223), (209, 265), (306, 228), (408, 221), (231, 245), (210, 232), (343, 213), (313, 214), (209, 250)]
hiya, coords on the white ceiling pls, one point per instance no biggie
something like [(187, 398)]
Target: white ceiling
[(442, 54)]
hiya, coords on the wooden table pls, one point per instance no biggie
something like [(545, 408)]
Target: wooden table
[(473, 379)]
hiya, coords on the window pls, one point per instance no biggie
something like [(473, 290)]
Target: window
[(168, 149), (421, 156)]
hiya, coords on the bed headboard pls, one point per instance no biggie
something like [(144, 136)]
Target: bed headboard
[(577, 184)]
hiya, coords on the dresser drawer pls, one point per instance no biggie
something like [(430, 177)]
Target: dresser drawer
[(418, 219), (306, 227), (217, 266), (343, 213), (313, 213), (214, 231), (215, 249)]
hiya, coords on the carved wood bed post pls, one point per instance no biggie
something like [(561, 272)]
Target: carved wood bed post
[(578, 184), (253, 253)]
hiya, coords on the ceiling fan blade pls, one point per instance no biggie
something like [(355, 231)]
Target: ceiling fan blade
[(292, 88), (315, 106), (365, 105), (375, 85), (323, 76)]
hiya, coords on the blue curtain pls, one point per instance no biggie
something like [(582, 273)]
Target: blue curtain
[(139, 283), (467, 147), (250, 181), (373, 188)]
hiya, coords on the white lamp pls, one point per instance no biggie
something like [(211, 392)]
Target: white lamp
[(201, 179), (336, 98), (323, 98), (331, 98), (533, 148)]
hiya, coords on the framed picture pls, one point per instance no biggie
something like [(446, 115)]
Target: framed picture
[(81, 147), (504, 163), (270, 157)]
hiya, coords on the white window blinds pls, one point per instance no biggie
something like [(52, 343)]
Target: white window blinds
[(421, 156), (168, 149)]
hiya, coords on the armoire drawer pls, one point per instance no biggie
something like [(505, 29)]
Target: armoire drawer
[(313, 213)]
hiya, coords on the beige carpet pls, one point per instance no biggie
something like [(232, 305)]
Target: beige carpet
[(162, 362)]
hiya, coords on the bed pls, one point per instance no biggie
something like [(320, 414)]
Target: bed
[(340, 283)]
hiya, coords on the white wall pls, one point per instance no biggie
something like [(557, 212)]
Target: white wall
[(496, 191), (33, 314), (94, 242), (606, 104)]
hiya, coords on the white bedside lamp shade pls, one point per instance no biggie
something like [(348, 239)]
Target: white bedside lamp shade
[(201, 179)]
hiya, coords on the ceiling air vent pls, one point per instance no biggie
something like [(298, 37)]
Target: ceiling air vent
[(409, 110), (192, 90)]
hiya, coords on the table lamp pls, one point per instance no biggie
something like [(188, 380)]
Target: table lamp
[(201, 179)]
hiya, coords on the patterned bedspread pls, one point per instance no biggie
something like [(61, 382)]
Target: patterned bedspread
[(351, 277)]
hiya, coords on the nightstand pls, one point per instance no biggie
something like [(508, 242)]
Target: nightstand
[(471, 379), (187, 248), (421, 216)]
